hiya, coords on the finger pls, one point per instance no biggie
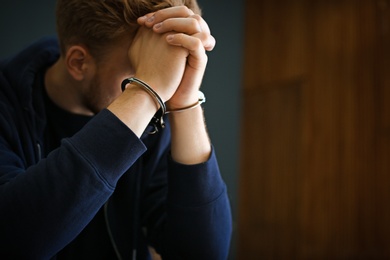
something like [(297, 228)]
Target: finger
[(189, 25), (142, 20), (183, 25), (203, 25), (208, 41), (192, 44), (163, 14)]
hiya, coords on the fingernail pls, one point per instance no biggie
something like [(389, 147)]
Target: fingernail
[(150, 19), (157, 26), (170, 37)]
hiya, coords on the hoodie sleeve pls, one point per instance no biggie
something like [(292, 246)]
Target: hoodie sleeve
[(197, 223), (44, 207), (199, 218)]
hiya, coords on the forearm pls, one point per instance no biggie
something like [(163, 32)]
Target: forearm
[(64, 191), (199, 211), (190, 140), (134, 108)]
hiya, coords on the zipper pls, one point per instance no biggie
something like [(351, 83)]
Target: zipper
[(118, 254), (39, 151), (137, 188)]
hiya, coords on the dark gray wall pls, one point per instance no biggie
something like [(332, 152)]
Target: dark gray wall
[(222, 84), (22, 22)]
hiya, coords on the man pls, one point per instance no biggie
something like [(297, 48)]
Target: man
[(90, 166)]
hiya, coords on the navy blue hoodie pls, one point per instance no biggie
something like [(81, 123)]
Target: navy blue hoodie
[(146, 198)]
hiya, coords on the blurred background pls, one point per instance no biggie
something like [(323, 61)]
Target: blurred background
[(298, 110), (315, 144)]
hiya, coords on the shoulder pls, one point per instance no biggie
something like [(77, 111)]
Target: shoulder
[(40, 54)]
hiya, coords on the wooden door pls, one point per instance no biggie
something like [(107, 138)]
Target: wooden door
[(315, 143)]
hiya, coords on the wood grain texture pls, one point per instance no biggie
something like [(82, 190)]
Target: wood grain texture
[(315, 170)]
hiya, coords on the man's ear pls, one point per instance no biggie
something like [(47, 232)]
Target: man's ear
[(79, 62)]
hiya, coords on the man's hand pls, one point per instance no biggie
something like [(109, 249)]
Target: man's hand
[(188, 30), (182, 20), (156, 62)]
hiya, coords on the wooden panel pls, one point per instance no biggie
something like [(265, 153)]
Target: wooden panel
[(315, 159), (270, 203), (268, 57)]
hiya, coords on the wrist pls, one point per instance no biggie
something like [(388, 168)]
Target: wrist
[(188, 105), (147, 89), (156, 85), (134, 108), (133, 91), (157, 120)]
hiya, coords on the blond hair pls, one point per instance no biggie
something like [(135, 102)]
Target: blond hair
[(97, 24)]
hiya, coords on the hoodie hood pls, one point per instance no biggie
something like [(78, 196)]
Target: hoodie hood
[(21, 101), (22, 67)]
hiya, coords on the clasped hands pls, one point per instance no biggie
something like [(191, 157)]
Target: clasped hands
[(169, 53)]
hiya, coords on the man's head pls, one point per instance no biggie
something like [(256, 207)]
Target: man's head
[(94, 37), (98, 24)]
